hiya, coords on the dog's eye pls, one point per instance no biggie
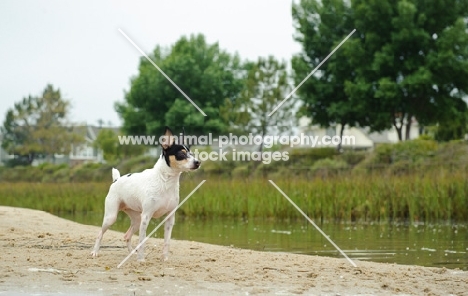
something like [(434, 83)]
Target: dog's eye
[(181, 155)]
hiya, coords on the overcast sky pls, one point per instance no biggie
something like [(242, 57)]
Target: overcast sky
[(76, 45)]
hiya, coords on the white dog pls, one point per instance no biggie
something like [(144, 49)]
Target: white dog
[(151, 193)]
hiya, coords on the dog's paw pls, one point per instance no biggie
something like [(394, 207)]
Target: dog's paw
[(141, 260), (164, 258), (94, 254)]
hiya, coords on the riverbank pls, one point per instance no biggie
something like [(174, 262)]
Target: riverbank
[(43, 254)]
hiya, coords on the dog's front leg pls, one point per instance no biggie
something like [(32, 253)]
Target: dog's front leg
[(145, 219), (167, 236)]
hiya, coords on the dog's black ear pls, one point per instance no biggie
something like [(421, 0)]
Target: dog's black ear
[(168, 139)]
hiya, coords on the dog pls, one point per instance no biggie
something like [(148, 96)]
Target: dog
[(148, 194)]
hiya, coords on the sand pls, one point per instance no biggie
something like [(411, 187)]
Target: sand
[(42, 254)]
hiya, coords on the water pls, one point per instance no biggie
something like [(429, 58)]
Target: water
[(439, 245)]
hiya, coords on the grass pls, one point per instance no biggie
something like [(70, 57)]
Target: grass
[(434, 196), (52, 197), (418, 180)]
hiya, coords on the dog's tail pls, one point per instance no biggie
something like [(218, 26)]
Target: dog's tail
[(115, 174)]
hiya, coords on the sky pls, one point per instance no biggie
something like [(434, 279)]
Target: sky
[(76, 45)]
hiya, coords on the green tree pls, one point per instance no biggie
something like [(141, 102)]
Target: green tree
[(455, 128), (37, 127), (107, 140), (408, 59), (321, 26), (208, 75), (266, 85)]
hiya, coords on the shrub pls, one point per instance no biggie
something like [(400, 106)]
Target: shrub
[(353, 158), (400, 154), (136, 164), (241, 171), (305, 157)]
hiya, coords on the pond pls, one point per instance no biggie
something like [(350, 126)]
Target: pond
[(437, 245)]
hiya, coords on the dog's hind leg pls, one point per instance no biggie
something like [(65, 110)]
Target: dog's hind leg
[(135, 219), (167, 236), (110, 215)]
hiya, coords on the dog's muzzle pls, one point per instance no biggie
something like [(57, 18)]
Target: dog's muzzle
[(196, 164)]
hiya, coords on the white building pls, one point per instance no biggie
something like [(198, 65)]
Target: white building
[(354, 137)]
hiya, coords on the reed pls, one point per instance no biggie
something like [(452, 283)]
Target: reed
[(54, 197), (434, 196)]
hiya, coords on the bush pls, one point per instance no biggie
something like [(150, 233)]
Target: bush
[(353, 158), (330, 164), (417, 156), (306, 157), (211, 168), (136, 164), (328, 167), (414, 150), (61, 175), (264, 170), (241, 171), (17, 161), (408, 152)]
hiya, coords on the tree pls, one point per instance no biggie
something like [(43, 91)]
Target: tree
[(37, 127), (422, 64), (205, 73), (408, 59), (266, 85), (321, 26), (455, 128), (107, 141)]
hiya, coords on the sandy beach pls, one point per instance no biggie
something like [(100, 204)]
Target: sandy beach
[(46, 255)]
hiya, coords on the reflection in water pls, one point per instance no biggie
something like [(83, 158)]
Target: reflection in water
[(416, 244)]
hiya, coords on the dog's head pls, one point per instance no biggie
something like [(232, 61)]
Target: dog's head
[(177, 156)]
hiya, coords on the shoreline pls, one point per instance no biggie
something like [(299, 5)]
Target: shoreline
[(46, 255)]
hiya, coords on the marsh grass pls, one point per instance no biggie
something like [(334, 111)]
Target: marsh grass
[(434, 196), (54, 197), (417, 180)]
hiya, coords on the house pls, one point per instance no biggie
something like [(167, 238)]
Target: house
[(85, 152), (354, 137), (80, 153)]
